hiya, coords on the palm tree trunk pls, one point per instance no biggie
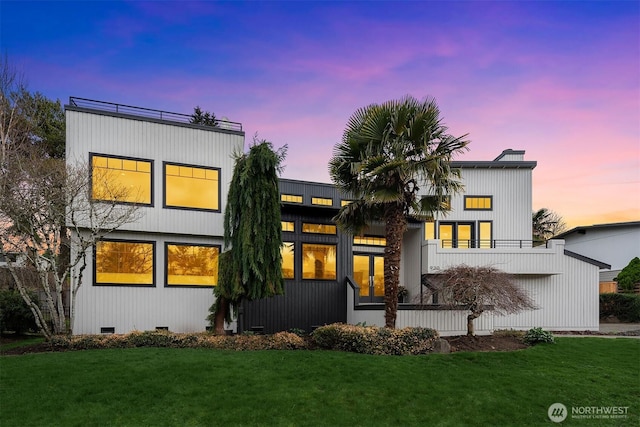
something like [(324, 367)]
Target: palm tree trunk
[(395, 225)]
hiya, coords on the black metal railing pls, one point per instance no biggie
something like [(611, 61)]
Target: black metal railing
[(492, 244), (145, 112)]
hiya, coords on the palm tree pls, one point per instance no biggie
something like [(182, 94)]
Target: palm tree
[(387, 151), (546, 224)]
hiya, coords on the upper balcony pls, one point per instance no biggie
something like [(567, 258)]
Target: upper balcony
[(146, 113)]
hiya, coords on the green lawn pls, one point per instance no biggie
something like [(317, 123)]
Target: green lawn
[(182, 387)]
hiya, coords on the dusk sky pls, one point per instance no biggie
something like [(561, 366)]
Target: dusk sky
[(560, 80)]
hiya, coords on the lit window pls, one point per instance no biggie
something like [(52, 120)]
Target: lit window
[(121, 179), (318, 228), (485, 236), (345, 202), (124, 263), (191, 187), (290, 198), (192, 265), (321, 201), (478, 203), (319, 261), (429, 230), (287, 260), (369, 240), (288, 226)]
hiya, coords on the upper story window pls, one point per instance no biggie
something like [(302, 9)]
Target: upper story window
[(290, 198), (345, 202), (318, 228), (124, 263), (288, 226), (429, 230), (479, 203), (321, 201), (369, 240), (191, 187), (192, 265), (121, 179)]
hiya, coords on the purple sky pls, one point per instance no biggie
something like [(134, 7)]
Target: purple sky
[(560, 80)]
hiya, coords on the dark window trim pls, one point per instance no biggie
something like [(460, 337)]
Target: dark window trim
[(127, 285), (187, 208), (464, 202), (166, 264), (113, 156), (480, 240)]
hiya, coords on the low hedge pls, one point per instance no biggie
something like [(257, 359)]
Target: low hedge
[(625, 307), (278, 341), (375, 340)]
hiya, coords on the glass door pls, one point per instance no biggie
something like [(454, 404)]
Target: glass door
[(368, 272)]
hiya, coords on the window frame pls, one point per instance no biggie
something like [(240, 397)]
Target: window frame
[(131, 285), (293, 251), (464, 203), (189, 208), (166, 264), (283, 195), (321, 201), (335, 249), (136, 159), (320, 233)]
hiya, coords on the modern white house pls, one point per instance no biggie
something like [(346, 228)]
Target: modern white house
[(158, 273)]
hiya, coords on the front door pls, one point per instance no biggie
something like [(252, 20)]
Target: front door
[(456, 234), (368, 272)]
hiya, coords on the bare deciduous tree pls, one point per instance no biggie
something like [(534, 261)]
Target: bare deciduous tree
[(478, 289), (45, 206)]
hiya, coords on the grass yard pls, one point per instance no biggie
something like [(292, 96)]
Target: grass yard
[(198, 387)]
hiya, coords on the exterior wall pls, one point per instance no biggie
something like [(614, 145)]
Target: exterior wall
[(127, 308), (95, 132), (614, 244)]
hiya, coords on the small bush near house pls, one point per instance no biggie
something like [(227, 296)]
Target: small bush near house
[(15, 315), (629, 277), (375, 340), (537, 336), (625, 307)]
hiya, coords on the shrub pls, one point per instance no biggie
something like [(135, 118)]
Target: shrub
[(375, 340), (630, 275), (626, 307), (15, 314), (538, 335)]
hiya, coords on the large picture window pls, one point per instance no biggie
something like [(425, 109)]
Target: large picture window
[(121, 179), (191, 187), (192, 265), (288, 260), (318, 261), (124, 263)]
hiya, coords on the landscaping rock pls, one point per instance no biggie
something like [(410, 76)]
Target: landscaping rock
[(441, 346)]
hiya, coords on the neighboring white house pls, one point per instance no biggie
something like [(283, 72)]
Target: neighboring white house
[(615, 244), (159, 272)]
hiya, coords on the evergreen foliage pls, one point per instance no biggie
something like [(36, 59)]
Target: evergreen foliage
[(630, 275), (252, 267), (205, 118)]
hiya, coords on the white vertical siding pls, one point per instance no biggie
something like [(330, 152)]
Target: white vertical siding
[(128, 308)]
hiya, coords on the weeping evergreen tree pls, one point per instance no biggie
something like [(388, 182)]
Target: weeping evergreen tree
[(252, 267)]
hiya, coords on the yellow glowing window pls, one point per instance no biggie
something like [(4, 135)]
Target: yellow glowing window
[(290, 198), (478, 203), (192, 265), (287, 260), (321, 201), (121, 180), (288, 226), (345, 202), (124, 263), (318, 228), (485, 236), (429, 230), (319, 261), (369, 240), (192, 187)]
